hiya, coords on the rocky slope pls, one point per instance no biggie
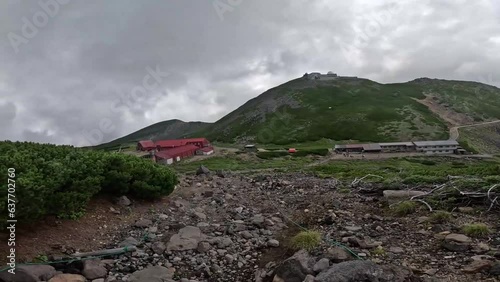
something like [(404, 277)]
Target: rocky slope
[(237, 228)]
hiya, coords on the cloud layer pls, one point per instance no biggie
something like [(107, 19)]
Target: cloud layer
[(84, 72)]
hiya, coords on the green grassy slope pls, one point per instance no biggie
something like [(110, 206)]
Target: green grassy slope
[(477, 100), (484, 138), (170, 129), (358, 109)]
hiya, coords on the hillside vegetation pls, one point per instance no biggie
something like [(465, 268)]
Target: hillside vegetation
[(354, 109), (60, 180), (484, 138), (345, 109)]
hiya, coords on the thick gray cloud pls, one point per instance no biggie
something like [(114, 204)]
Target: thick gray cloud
[(84, 72)]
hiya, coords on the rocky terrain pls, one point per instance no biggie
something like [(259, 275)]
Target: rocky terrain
[(237, 228)]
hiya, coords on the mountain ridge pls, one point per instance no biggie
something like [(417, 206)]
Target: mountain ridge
[(345, 108)]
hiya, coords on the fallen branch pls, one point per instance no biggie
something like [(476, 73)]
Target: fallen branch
[(424, 202), (356, 181)]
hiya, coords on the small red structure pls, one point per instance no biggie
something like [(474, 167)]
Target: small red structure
[(292, 150), (146, 145)]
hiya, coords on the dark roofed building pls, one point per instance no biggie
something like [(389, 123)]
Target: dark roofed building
[(437, 147)]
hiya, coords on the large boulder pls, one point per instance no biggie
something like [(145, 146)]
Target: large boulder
[(65, 277), (186, 239), (93, 269), (295, 268), (202, 170), (29, 273), (366, 271), (152, 274), (456, 242)]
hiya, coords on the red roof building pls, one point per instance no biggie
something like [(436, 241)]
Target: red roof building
[(175, 154), (145, 145), (166, 144)]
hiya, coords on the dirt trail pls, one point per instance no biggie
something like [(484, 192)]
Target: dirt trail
[(454, 134)]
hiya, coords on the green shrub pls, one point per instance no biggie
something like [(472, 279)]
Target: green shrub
[(424, 179), (440, 217), (476, 229), (61, 180), (405, 208), (344, 190), (428, 162), (272, 154), (379, 251), (307, 240)]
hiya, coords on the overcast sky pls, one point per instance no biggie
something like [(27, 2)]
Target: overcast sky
[(85, 72)]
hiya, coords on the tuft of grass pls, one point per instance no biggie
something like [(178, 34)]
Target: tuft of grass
[(41, 259), (405, 208), (344, 190), (307, 240), (476, 229), (440, 217), (379, 251)]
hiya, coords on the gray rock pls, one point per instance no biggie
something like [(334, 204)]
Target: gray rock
[(187, 239), (353, 228), (460, 238), (143, 223), (152, 274), (456, 242), (246, 234), (158, 247), (200, 215), (202, 170), (229, 258), (366, 271), (130, 241), (98, 280), (224, 242), (309, 278), (478, 266), (338, 254), (295, 268), (162, 216), (203, 247), (92, 269), (273, 243), (321, 265), (396, 250), (124, 201), (495, 269), (113, 210), (363, 243), (29, 273), (66, 277), (258, 220)]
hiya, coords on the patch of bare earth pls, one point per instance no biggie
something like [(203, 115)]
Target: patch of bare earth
[(447, 114), (97, 228)]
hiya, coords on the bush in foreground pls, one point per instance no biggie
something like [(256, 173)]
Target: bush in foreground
[(306, 240), (60, 180)]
